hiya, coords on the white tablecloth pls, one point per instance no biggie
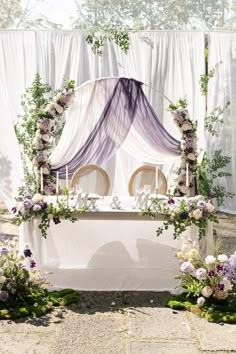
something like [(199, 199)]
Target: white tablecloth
[(107, 250)]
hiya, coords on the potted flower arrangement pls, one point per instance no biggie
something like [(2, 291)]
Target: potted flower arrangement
[(209, 285), (22, 287)]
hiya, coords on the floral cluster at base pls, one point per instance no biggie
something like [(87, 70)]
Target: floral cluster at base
[(18, 274), (188, 129), (53, 110), (22, 287), (35, 206), (182, 213), (206, 279)]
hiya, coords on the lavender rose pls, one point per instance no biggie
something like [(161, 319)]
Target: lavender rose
[(4, 295), (187, 267), (201, 273)]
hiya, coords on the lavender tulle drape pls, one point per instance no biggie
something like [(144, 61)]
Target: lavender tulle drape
[(126, 106)]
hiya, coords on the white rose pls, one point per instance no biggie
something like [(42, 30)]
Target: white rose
[(38, 198), (222, 258), (59, 96), (45, 137), (177, 210), (2, 279), (59, 108), (183, 189), (210, 259), (183, 144), (210, 207), (50, 106), (198, 198), (187, 126), (227, 284), (197, 214), (191, 157), (207, 291), (39, 146), (45, 171), (201, 301)]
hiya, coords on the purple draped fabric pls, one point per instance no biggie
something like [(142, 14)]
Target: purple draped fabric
[(126, 106)]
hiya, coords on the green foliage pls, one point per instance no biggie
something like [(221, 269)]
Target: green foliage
[(208, 173), (212, 312), (99, 36), (32, 103), (204, 80), (214, 121)]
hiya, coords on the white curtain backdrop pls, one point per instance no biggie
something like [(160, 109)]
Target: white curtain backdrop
[(170, 62), (222, 88)]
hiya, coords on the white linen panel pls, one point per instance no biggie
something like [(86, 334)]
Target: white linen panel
[(170, 62), (222, 88)]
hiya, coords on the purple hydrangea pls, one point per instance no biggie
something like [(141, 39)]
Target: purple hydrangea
[(37, 207), (4, 295), (27, 203), (186, 267), (27, 252)]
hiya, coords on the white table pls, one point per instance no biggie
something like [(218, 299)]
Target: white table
[(106, 250)]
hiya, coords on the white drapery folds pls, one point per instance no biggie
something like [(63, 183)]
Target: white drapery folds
[(122, 105), (222, 89), (170, 62)]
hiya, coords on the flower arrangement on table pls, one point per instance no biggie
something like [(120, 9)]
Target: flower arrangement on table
[(36, 206), (188, 130), (209, 284), (22, 287), (182, 213)]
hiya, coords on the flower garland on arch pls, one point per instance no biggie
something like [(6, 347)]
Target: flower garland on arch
[(46, 133), (188, 130)]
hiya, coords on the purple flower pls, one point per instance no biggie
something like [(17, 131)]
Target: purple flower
[(219, 267), (32, 264), (171, 201), (183, 215), (56, 220), (186, 267), (4, 251), (211, 273), (201, 204), (40, 157), (211, 195), (4, 295), (200, 273), (27, 203), (221, 286), (37, 207), (27, 252), (14, 210), (28, 196)]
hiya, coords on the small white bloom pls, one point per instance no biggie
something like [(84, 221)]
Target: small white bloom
[(210, 207), (177, 210), (38, 198), (227, 284), (207, 291), (222, 258), (210, 259), (199, 197), (197, 214), (50, 106), (45, 171), (201, 301), (2, 279), (187, 126), (1, 272), (59, 96)]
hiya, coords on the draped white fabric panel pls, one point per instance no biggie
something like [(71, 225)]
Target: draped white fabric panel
[(171, 62), (222, 88)]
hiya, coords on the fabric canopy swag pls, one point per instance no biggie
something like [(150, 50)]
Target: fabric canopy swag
[(111, 112)]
